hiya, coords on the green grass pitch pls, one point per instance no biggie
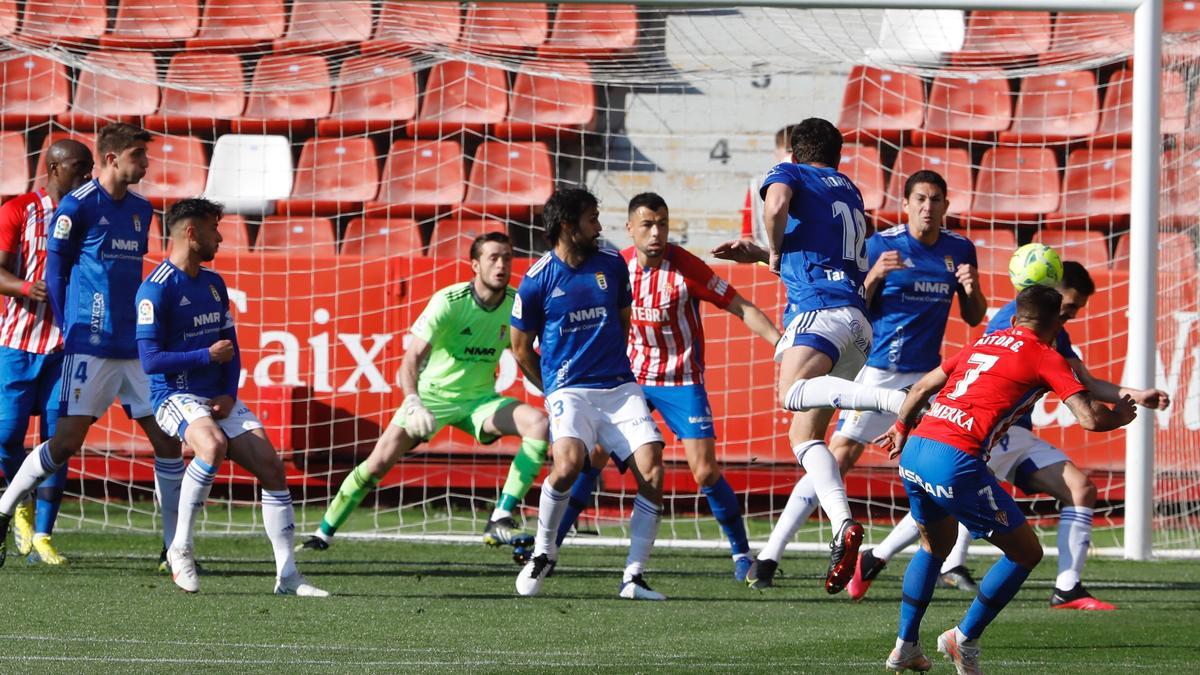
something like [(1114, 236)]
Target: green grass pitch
[(405, 607)]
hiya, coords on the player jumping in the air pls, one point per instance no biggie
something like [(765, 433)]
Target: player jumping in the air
[(1035, 466), (30, 342), (818, 246), (916, 270), (943, 467), (458, 339), (666, 350), (576, 301), (188, 345), (93, 270)]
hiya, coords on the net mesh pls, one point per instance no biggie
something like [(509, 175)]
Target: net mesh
[(360, 145)]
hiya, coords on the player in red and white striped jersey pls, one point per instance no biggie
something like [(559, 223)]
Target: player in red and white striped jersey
[(666, 350), (30, 342)]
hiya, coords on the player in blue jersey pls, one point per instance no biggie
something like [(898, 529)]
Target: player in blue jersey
[(93, 270), (818, 232), (576, 302), (188, 345), (916, 271), (1035, 466)]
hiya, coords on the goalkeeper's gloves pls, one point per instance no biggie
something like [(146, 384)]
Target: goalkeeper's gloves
[(417, 418)]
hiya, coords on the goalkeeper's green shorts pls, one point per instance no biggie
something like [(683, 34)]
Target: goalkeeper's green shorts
[(468, 416)]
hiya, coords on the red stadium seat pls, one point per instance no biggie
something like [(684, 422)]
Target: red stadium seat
[(320, 24), (954, 165), (1089, 248), (1079, 34), (862, 165), (452, 237), (379, 93), (14, 180), (334, 175), (1016, 183), (239, 24), (993, 247), (966, 109), (156, 241), (1181, 16), (421, 178), (461, 95), (550, 99), (1055, 108), (509, 179), (54, 21), (39, 173), (505, 26), (221, 98), (1004, 37), (153, 24), (284, 234), (382, 237), (881, 104), (1116, 118), (592, 30), (120, 85), (178, 169), (1176, 253), (10, 17), (32, 90), (415, 24), (1096, 188), (293, 111), (1181, 187)]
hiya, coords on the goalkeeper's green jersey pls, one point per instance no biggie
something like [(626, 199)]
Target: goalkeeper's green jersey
[(466, 341)]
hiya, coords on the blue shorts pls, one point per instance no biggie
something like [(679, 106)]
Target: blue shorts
[(942, 481), (684, 408), (28, 386)]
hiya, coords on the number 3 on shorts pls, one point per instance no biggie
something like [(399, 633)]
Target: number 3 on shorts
[(556, 408)]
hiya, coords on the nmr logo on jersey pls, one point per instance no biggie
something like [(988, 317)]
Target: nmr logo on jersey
[(206, 318), (130, 245), (931, 287), (589, 314)]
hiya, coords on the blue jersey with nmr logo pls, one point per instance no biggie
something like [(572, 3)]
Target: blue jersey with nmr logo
[(184, 314), (101, 241), (576, 314), (909, 313), (824, 258), (1062, 344)]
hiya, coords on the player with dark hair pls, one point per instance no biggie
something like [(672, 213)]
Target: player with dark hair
[(448, 376), (1032, 464), (93, 271), (576, 301), (943, 466), (666, 350), (30, 341)]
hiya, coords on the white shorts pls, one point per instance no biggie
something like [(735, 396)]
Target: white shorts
[(180, 410), (618, 419), (841, 333), (865, 426), (1019, 453), (90, 385)]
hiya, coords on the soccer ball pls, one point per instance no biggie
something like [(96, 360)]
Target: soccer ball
[(1034, 264)]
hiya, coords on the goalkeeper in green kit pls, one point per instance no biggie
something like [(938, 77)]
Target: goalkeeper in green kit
[(459, 338)]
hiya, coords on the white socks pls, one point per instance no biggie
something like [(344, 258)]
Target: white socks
[(800, 505), (197, 482), (33, 471), (499, 513), (827, 391), (280, 521), (822, 469), (551, 505), (1074, 537), (903, 535), (643, 530), (168, 479), (958, 554)]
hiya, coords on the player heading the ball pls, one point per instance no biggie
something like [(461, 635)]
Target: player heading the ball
[(188, 345)]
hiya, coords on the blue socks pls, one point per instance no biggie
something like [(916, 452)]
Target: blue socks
[(919, 580), (999, 585), (581, 497), (49, 498), (724, 506)]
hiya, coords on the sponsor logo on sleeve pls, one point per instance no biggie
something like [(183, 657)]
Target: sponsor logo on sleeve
[(145, 313), (516, 310), (62, 227)]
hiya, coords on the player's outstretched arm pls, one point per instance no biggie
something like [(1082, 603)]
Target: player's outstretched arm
[(1108, 392), (754, 318), (741, 251), (893, 439), (775, 214), (528, 359), (972, 302), (1095, 416)]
